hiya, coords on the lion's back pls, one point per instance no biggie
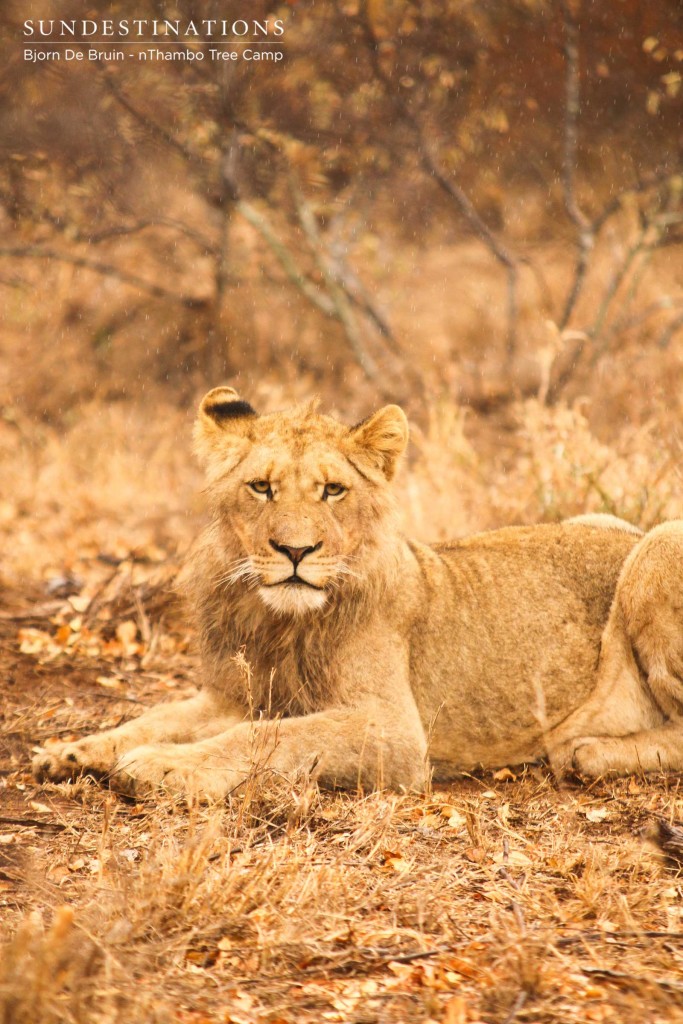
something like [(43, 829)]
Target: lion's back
[(531, 565)]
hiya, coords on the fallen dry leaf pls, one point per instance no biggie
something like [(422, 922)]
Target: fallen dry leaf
[(57, 873), (110, 682), (395, 862), (475, 854), (37, 641), (40, 808), (597, 814), (431, 821), (515, 858), (460, 967), (63, 635)]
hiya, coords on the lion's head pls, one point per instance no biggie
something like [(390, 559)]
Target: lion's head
[(302, 501)]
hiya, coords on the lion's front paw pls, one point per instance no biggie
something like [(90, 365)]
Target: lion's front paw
[(594, 756), (167, 769), (63, 761)]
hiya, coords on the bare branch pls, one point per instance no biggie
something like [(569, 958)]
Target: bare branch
[(653, 230), (572, 108), (152, 126), (588, 230), (639, 246), (625, 323), (133, 229), (337, 301), (338, 295), (480, 228), (285, 258), (672, 328), (578, 340), (359, 296), (450, 188), (106, 269), (225, 198), (612, 208), (644, 184), (345, 278), (358, 293)]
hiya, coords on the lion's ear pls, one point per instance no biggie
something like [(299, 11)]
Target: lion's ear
[(222, 406), (223, 418), (380, 440)]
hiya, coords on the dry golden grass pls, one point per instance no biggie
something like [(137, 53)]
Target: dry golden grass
[(501, 898), (466, 904)]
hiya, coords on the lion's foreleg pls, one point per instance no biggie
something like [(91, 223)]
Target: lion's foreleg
[(369, 747), (177, 722)]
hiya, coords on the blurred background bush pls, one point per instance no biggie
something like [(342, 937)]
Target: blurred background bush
[(471, 208)]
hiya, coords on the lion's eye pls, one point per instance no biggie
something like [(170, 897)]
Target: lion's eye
[(262, 488), (333, 491)]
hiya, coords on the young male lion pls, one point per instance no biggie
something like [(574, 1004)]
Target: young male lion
[(332, 644)]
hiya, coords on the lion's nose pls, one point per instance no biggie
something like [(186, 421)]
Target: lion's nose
[(294, 554)]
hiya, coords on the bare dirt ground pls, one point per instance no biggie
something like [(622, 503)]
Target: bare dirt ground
[(505, 897)]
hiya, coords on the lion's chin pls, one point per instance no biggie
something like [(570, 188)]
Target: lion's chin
[(293, 600)]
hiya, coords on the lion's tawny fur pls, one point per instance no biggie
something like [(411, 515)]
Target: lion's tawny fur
[(332, 644)]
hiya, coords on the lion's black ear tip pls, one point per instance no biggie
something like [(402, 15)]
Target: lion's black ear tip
[(226, 410)]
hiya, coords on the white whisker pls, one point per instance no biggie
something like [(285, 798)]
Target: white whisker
[(240, 569), (345, 570)]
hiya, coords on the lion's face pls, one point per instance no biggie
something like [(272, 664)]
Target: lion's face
[(301, 497)]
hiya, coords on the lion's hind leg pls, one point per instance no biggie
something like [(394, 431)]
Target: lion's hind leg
[(649, 750), (651, 595), (634, 721)]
